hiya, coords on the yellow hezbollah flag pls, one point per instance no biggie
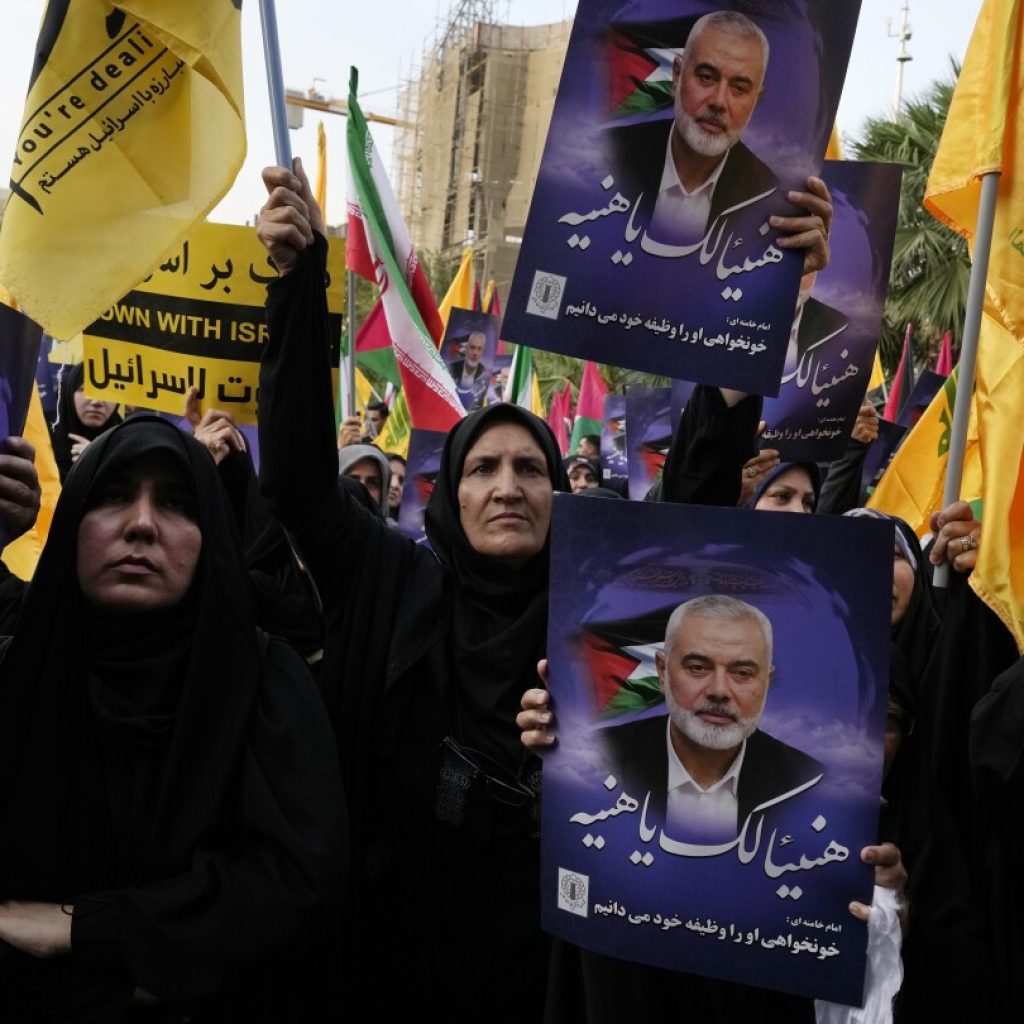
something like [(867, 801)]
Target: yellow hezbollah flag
[(133, 130), (397, 428), (460, 291), (911, 486), (981, 136), (834, 150)]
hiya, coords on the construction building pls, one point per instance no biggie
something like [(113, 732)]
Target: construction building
[(477, 112)]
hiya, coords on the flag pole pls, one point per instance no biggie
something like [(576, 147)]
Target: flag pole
[(350, 368), (969, 351), (275, 83)]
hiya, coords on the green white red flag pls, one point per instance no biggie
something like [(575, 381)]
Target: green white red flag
[(589, 406), (379, 248)]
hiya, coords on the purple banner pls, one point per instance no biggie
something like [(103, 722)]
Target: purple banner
[(648, 436), (614, 460), (835, 334), (19, 355), (648, 243), (776, 679), (425, 448)]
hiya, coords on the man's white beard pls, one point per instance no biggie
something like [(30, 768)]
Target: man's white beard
[(710, 734), (702, 141)]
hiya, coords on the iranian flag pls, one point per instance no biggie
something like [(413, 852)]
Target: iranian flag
[(522, 387), (590, 406), (379, 248), (639, 62)]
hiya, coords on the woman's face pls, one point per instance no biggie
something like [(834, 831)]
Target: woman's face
[(139, 543), (902, 585), (505, 495), (790, 491), (91, 411)]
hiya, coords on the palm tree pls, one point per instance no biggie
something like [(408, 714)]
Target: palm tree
[(930, 265)]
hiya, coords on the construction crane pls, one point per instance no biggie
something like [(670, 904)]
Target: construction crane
[(312, 100)]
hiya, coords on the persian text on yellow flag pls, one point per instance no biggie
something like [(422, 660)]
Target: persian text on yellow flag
[(197, 320), (133, 130), (982, 135)]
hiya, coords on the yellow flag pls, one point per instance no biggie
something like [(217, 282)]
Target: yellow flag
[(911, 487), (877, 376), (133, 130), (21, 556), (460, 292), (982, 135), (397, 428), (834, 151), (320, 191), (364, 390)]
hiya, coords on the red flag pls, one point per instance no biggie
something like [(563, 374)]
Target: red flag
[(944, 364), (904, 374), (559, 416)]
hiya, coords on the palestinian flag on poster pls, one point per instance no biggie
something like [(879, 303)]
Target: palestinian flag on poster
[(378, 246), (590, 406), (620, 661), (639, 61)]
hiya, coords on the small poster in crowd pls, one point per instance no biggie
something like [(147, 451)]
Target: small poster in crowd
[(649, 415), (884, 447), (678, 130), (719, 650), (926, 387), (681, 391), (470, 350), (614, 459), (20, 338), (835, 332), (425, 447), (197, 321)]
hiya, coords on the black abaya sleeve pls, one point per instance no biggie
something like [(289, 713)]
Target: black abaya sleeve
[(252, 917), (298, 450), (710, 446), (12, 590), (840, 490)]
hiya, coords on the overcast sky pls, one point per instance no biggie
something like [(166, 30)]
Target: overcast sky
[(386, 38)]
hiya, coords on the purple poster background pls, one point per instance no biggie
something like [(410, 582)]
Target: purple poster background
[(614, 437), (593, 281), (461, 324), (876, 462), (648, 435), (425, 448), (681, 391), (770, 909), (20, 339), (827, 370), (926, 387)]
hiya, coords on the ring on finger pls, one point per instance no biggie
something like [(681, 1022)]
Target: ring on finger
[(967, 543)]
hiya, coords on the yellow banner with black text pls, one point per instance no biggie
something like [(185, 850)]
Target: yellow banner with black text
[(196, 321)]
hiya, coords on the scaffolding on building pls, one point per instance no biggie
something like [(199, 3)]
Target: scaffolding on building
[(476, 112)]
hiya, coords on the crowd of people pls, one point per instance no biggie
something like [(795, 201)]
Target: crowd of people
[(262, 757)]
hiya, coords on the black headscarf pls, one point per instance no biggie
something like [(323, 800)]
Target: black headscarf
[(182, 680), (498, 614), (766, 481), (69, 423)]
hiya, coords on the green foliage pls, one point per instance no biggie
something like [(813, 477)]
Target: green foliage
[(930, 266), (553, 370)]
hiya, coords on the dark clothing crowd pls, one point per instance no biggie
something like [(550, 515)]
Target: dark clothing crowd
[(264, 758)]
